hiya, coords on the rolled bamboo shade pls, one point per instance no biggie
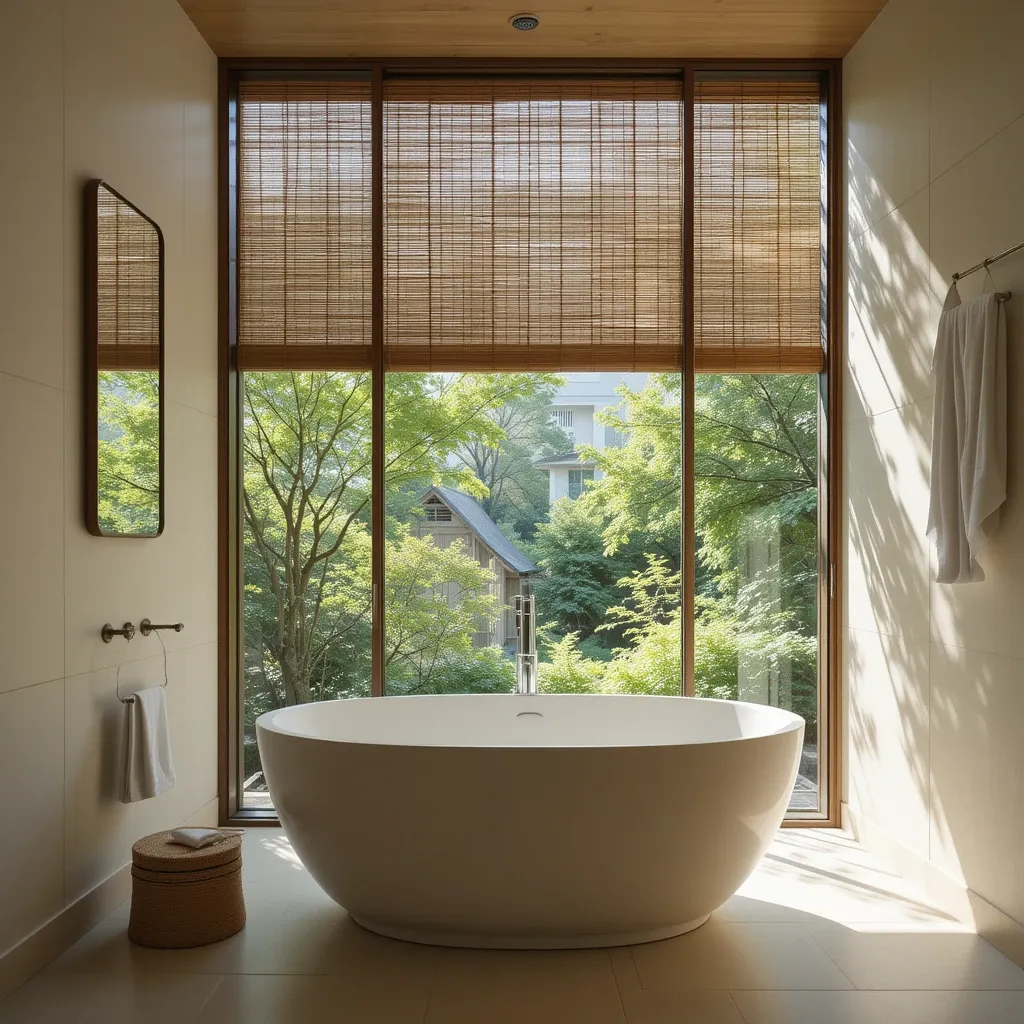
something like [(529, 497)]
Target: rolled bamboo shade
[(758, 226), (304, 225), (127, 286), (533, 224)]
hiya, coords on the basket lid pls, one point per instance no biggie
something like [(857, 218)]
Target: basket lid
[(158, 853)]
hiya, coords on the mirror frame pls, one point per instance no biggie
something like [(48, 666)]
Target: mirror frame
[(90, 375)]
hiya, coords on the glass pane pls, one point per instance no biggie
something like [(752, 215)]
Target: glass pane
[(756, 525), (306, 529), (128, 451), (491, 494)]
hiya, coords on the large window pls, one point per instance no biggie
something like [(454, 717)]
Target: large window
[(491, 400), (485, 503), (756, 527)]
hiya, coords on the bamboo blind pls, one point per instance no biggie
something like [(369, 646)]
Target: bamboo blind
[(304, 225), (127, 287), (758, 226), (533, 224)]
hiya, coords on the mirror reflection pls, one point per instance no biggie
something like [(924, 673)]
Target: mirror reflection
[(127, 349)]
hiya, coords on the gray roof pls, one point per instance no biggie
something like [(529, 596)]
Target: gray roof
[(566, 459), (469, 510)]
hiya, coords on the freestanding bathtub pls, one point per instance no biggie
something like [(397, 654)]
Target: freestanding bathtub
[(530, 821)]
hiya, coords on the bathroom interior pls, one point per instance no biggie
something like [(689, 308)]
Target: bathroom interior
[(533, 493)]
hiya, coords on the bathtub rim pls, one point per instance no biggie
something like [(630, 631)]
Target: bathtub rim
[(791, 722)]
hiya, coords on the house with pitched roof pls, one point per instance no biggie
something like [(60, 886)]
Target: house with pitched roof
[(450, 516)]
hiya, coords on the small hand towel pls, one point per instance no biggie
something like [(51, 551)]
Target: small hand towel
[(968, 479), (197, 838), (149, 767)]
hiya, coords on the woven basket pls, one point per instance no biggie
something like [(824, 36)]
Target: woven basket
[(183, 897)]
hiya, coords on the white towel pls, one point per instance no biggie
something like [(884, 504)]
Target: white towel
[(968, 483), (148, 766)]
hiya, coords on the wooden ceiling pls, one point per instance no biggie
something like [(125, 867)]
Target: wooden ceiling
[(568, 28)]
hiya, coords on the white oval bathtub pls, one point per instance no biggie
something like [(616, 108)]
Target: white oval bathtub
[(530, 821)]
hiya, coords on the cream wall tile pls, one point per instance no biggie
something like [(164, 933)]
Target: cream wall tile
[(888, 734), (101, 829), (987, 616), (192, 354), (977, 75), (31, 794), (123, 110), (886, 482), (954, 701), (885, 109), (171, 578), (976, 212), (32, 197), (124, 90), (974, 215), (978, 793), (893, 306), (32, 521)]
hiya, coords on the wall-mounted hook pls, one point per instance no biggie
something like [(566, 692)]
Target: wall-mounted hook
[(108, 632)]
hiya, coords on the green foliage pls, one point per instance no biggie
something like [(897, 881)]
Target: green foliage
[(567, 670), (639, 494), (609, 601), (756, 526), (306, 507), (435, 599), (580, 579), (128, 453), (516, 490)]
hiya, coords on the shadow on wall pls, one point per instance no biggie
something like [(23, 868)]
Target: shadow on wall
[(925, 748), (891, 306)]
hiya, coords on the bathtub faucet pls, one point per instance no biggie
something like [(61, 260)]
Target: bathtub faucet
[(526, 639)]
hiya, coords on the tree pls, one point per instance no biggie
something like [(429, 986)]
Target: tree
[(580, 579), (306, 507), (306, 498), (756, 536), (435, 599), (516, 491), (128, 451)]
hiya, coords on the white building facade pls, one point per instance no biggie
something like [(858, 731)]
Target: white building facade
[(576, 408)]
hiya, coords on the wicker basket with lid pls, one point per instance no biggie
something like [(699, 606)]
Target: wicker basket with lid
[(183, 897)]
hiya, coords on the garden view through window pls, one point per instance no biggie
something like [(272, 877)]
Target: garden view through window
[(486, 490), (517, 268)]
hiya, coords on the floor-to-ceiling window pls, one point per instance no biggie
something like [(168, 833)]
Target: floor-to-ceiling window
[(460, 380), (759, 416)]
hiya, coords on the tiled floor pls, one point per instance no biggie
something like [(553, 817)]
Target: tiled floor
[(820, 934)]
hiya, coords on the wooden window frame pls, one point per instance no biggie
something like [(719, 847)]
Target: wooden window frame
[(230, 648)]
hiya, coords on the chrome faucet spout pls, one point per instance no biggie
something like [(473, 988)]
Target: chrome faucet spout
[(526, 640)]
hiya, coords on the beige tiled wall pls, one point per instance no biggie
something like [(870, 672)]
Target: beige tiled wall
[(934, 110), (123, 90)]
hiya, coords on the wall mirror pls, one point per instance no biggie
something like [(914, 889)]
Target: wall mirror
[(124, 364)]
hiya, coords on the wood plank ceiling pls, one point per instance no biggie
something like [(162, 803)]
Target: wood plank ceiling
[(568, 28)]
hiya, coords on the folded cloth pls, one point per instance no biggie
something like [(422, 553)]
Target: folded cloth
[(148, 765), (197, 838), (968, 479)]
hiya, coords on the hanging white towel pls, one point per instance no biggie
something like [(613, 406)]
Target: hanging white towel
[(968, 482), (149, 768)]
